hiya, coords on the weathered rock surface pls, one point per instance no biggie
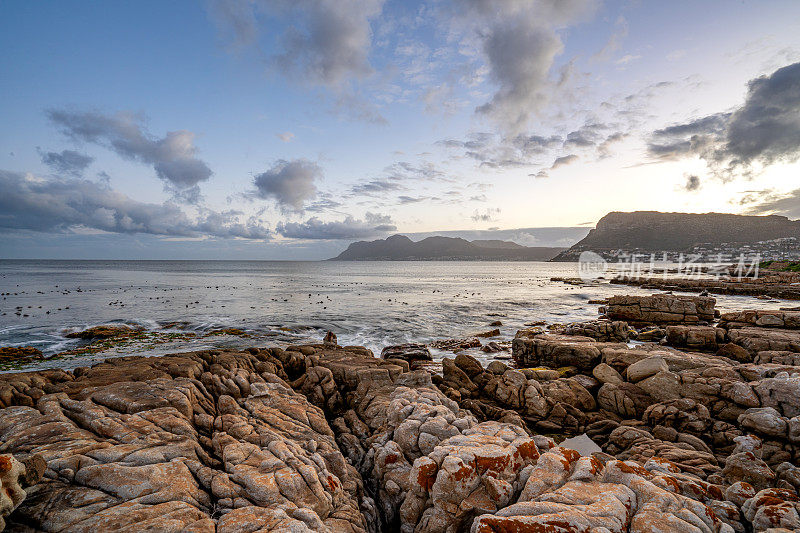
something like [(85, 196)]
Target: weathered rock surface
[(702, 338), (12, 353), (661, 309), (191, 442), (407, 352), (761, 318), (330, 438), (104, 332), (600, 330)]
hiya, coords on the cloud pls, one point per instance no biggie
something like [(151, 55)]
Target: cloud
[(373, 225), (519, 41), (615, 41), (286, 136), (787, 204), (627, 58), (692, 183), (765, 129), (173, 156), (324, 42), (492, 151), (289, 183), (66, 162), (60, 205), (376, 186), (564, 161), (397, 175), (488, 215), (411, 199)]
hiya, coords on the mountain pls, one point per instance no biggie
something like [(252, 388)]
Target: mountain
[(652, 231), (401, 248)]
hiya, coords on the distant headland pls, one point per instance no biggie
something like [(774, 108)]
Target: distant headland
[(401, 248)]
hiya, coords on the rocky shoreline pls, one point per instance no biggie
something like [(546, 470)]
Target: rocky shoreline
[(697, 429)]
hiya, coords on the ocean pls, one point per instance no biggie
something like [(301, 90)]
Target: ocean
[(373, 304)]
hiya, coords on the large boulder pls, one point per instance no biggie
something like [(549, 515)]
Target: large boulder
[(703, 338), (556, 351), (661, 309)]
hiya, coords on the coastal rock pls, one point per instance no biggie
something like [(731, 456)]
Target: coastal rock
[(661, 309), (566, 492), (12, 472), (13, 353), (600, 330), (757, 340), (556, 351), (104, 332), (761, 318), (702, 338), (773, 508), (407, 352), (645, 368), (177, 443), (455, 345), (606, 374), (735, 352), (476, 472)]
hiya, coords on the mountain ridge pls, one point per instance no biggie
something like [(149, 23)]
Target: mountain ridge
[(437, 248), (654, 231)]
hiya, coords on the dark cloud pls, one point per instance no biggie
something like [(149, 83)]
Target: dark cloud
[(289, 183), (324, 203), (173, 156), (520, 42), (411, 199), (771, 204), (692, 183), (60, 205), (377, 186), (66, 162), (324, 42), (373, 225), (586, 136), (564, 161), (764, 130), (397, 178)]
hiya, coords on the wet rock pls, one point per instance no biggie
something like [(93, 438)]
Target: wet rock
[(456, 345), (330, 340), (407, 352), (12, 353), (104, 332)]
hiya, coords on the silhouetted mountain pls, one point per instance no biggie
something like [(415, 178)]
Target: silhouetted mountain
[(652, 231), (401, 248)]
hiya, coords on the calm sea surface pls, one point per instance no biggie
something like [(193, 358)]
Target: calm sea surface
[(365, 303)]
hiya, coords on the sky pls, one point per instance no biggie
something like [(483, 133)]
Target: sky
[(286, 129)]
